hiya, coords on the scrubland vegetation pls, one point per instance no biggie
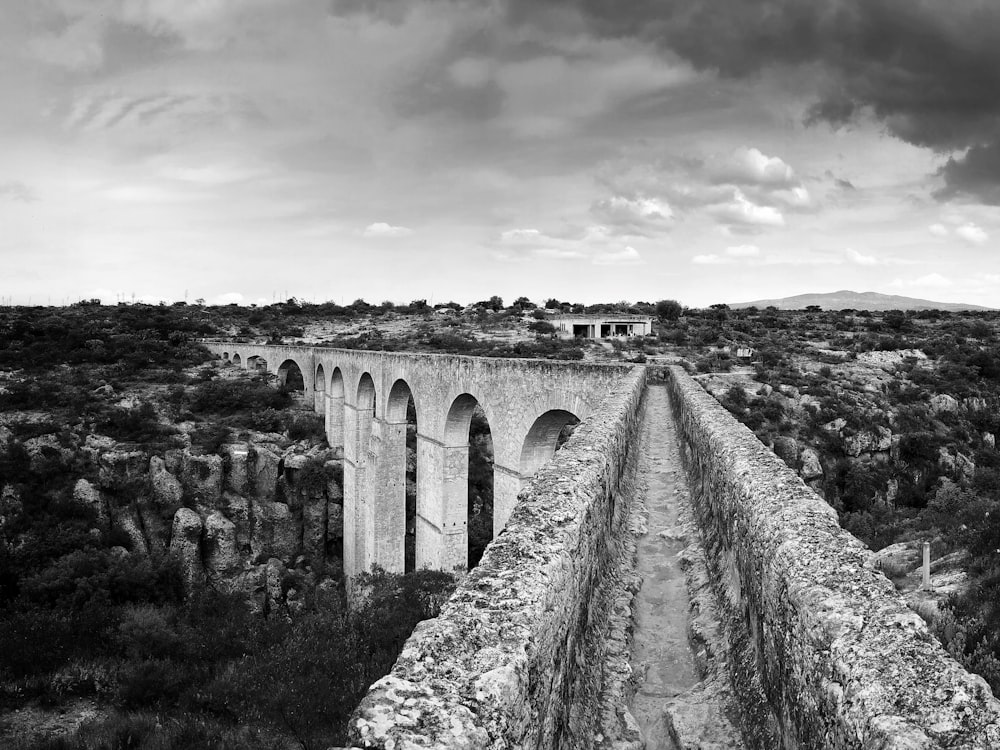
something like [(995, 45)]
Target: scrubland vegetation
[(891, 417)]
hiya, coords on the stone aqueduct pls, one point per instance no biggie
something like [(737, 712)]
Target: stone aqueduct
[(821, 650), (363, 396)]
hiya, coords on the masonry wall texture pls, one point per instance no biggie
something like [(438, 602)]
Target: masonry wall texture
[(840, 659), (514, 660)]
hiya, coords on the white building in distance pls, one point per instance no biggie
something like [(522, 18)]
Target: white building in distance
[(604, 326)]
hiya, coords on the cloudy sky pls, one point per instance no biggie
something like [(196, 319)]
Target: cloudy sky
[(590, 150)]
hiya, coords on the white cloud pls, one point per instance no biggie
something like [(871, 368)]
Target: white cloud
[(521, 235), (743, 251), (619, 257), (938, 230), (931, 281), (709, 260), (860, 259), (382, 230), (972, 233), (640, 216), (741, 210), (750, 166)]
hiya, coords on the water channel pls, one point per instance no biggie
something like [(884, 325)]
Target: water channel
[(660, 649)]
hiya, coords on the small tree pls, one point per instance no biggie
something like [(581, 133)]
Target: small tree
[(669, 309)]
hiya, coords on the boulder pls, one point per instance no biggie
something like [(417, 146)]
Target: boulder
[(39, 448), (117, 469), (166, 490), (237, 509), (314, 515), (811, 466), (222, 557), (202, 480), (238, 470), (835, 425), (275, 533), (86, 494), (185, 541), (942, 402), (897, 559), (786, 449), (264, 476), (126, 520), (878, 440)]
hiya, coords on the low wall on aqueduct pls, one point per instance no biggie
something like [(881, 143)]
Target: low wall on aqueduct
[(514, 659), (841, 661)]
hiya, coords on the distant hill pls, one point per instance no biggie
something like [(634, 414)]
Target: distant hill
[(858, 301)]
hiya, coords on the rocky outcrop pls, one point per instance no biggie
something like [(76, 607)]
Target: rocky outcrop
[(221, 553), (86, 494), (811, 467), (201, 477), (224, 517), (185, 546)]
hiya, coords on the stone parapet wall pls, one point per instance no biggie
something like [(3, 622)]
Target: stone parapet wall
[(515, 658), (840, 660)]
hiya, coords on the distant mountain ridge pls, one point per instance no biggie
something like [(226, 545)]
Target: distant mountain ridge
[(847, 300)]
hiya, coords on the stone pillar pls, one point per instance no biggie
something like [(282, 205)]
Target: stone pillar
[(358, 554), (319, 400), (455, 517), (507, 483), (334, 421), (442, 505), (430, 469), (389, 494)]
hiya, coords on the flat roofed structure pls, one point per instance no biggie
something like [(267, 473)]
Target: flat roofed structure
[(603, 326)]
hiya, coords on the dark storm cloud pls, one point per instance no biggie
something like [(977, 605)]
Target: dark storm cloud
[(928, 69)]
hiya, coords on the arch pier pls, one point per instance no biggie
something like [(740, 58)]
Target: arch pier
[(363, 397)]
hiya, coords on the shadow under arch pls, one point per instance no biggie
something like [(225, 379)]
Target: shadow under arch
[(290, 376), (468, 482), (546, 436), (399, 482), (319, 390)]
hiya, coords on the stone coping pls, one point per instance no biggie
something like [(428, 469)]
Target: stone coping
[(844, 663), (527, 362)]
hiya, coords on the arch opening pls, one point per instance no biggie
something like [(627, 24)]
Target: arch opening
[(257, 363), (290, 376), (366, 412), (319, 390), (468, 479), (236, 359), (225, 356), (401, 422), (334, 415), (547, 435), (480, 506)]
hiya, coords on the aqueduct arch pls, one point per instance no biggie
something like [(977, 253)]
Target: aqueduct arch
[(363, 396), (291, 376), (542, 440), (319, 390), (236, 359)]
